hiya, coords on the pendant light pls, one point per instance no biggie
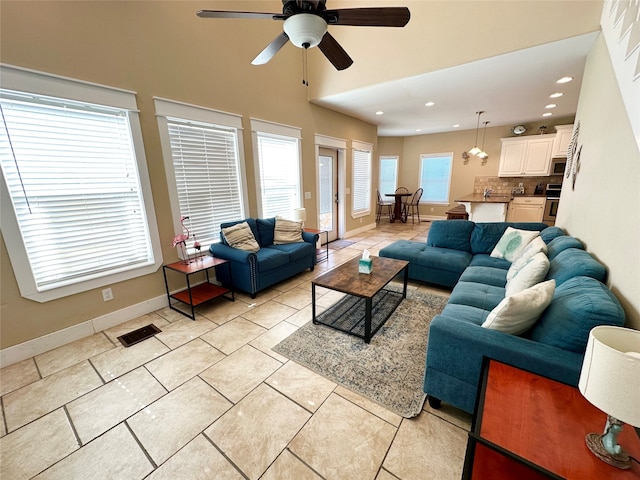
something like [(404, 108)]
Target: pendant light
[(475, 150), (483, 155)]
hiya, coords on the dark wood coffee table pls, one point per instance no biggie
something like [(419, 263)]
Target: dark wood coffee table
[(368, 287)]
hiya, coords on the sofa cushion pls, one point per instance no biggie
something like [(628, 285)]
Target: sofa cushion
[(287, 231), (517, 313), (537, 245), (485, 260), (296, 251), (250, 221), (560, 244), (270, 258), (486, 235), (550, 233), (533, 272), (465, 313), (512, 243), (574, 262), (265, 228), (241, 237), (489, 275), (578, 305), (476, 295), (453, 234)]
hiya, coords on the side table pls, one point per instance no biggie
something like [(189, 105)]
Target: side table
[(321, 255), (530, 427), (198, 294)]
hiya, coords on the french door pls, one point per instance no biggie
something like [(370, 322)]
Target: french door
[(328, 198)]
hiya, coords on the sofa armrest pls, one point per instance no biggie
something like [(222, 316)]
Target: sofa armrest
[(226, 252), (456, 347), (311, 238)]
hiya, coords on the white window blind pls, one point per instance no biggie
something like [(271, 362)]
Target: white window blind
[(435, 177), (72, 175), (388, 174), (361, 192), (208, 184), (279, 162)]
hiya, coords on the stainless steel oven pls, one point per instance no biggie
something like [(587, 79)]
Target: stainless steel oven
[(551, 205)]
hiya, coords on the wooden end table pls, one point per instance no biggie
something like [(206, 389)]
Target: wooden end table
[(346, 279), (198, 294), (530, 427), (321, 255)]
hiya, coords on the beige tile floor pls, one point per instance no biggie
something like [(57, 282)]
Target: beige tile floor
[(208, 399)]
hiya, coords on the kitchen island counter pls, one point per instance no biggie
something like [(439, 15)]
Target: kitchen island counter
[(480, 198), (485, 209)]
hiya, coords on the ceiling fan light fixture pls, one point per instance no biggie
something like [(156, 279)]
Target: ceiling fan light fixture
[(305, 30)]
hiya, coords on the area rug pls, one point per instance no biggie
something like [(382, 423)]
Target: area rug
[(340, 244), (389, 370)]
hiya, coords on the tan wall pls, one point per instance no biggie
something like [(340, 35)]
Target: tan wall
[(604, 208), (463, 176), (159, 49)]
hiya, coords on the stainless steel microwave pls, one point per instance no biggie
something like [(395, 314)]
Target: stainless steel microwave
[(558, 165)]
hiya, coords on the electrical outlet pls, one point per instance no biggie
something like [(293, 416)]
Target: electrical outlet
[(107, 294)]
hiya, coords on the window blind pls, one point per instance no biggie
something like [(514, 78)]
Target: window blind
[(435, 177), (205, 163), (361, 193), (279, 174), (71, 172)]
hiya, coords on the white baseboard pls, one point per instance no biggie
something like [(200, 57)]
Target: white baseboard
[(357, 231), (31, 348)]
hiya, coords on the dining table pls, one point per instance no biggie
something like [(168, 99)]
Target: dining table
[(397, 206)]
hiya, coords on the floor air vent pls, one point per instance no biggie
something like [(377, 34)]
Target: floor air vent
[(138, 335)]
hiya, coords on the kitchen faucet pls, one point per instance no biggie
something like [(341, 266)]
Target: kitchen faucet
[(487, 192)]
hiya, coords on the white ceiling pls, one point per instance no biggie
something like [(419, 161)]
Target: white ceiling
[(513, 88)]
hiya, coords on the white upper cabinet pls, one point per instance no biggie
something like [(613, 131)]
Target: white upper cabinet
[(562, 140), (526, 156)]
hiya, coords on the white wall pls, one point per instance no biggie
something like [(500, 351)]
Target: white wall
[(604, 208)]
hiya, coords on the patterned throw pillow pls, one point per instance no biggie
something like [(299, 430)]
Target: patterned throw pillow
[(518, 313), (240, 236), (512, 243), (287, 231), (537, 245)]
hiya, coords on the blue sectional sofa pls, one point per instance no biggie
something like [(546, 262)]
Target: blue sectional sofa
[(457, 254), (252, 272)]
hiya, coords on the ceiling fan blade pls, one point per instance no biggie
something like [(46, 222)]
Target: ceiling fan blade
[(225, 14), (270, 50), (334, 52), (368, 17)]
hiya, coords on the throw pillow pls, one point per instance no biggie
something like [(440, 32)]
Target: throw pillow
[(534, 271), (512, 242), (287, 231), (517, 314), (240, 236), (537, 245)]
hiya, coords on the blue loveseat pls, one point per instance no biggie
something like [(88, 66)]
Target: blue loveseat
[(252, 272), (457, 254)]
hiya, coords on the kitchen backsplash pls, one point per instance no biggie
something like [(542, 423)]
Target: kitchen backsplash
[(505, 185)]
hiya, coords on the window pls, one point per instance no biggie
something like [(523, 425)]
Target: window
[(76, 204), (201, 149), (435, 177), (388, 174), (278, 168), (361, 191)]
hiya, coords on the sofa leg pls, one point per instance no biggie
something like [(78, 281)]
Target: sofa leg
[(434, 402), (253, 295)]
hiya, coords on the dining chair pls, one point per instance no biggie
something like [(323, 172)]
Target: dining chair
[(413, 206), (404, 201), (381, 206)]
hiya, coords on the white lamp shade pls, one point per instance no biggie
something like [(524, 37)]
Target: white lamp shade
[(610, 377), (474, 151), (305, 28), (300, 214)]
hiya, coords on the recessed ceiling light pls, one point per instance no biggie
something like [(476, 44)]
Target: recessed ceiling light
[(564, 80), (429, 104), (548, 114), (379, 112), (418, 129), (556, 95), (456, 125), (551, 105)]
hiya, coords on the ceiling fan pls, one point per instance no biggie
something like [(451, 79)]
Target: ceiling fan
[(305, 24)]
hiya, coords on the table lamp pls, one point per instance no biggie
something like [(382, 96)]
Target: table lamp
[(610, 380), (300, 214)]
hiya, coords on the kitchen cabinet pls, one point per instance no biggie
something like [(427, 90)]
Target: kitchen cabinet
[(564, 133), (526, 156), (526, 209)]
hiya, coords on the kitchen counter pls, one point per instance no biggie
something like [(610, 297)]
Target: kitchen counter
[(485, 209), (480, 198)]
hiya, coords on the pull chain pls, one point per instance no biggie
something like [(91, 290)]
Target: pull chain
[(305, 82)]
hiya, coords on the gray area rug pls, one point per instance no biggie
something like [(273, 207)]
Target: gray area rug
[(389, 370)]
